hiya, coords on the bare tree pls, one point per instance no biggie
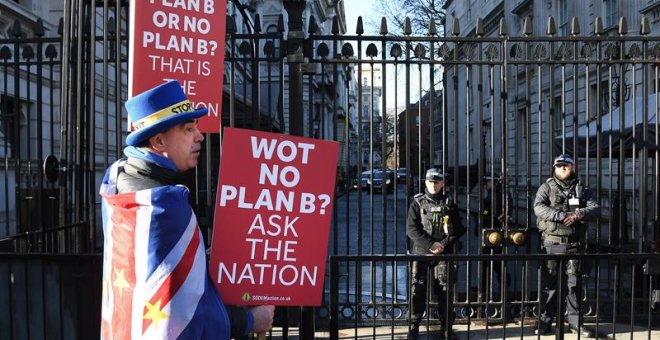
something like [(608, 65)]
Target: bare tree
[(420, 12), (390, 152)]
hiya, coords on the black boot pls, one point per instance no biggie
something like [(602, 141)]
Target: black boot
[(584, 331), (447, 334), (543, 328), (413, 332)]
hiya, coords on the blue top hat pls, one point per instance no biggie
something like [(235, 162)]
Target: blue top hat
[(159, 109)]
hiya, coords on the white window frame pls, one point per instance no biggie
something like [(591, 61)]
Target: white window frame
[(611, 12)]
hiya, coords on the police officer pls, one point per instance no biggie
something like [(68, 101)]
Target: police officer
[(562, 206), (433, 225), (492, 211)]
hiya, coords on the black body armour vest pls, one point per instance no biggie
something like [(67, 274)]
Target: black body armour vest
[(559, 199), (435, 219)]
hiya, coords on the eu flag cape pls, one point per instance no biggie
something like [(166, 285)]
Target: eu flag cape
[(155, 281)]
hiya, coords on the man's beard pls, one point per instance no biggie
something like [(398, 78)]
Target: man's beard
[(564, 176)]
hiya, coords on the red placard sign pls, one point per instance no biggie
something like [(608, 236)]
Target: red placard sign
[(182, 40), (272, 218)]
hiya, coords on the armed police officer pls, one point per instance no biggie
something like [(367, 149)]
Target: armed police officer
[(433, 224), (562, 206)]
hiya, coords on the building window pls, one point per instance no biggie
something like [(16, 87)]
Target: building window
[(4, 29), (557, 114), (562, 17), (486, 142), (606, 96), (13, 125), (521, 136), (595, 101), (611, 12)]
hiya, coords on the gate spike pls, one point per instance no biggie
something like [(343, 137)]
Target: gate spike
[(575, 26), (552, 28), (60, 27), (257, 23), (455, 28), (479, 30), (335, 25), (527, 26), (111, 26), (39, 30), (432, 30), (598, 26), (359, 30), (503, 30), (407, 28), (383, 26), (16, 29), (231, 24), (280, 23), (623, 26), (645, 28), (311, 28)]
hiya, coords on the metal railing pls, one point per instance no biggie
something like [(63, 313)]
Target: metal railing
[(618, 295), (61, 240), (50, 296)]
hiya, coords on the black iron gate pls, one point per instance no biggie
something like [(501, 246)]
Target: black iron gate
[(475, 105)]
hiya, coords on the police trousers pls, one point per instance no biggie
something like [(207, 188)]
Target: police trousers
[(570, 284), (432, 278)]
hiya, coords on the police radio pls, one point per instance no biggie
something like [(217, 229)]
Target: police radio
[(576, 201), (447, 225)]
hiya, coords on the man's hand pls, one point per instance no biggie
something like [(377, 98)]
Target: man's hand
[(570, 218), (437, 248), (263, 318)]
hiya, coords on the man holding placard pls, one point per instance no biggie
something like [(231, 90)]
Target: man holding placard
[(155, 281)]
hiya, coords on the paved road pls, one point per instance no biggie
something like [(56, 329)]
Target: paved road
[(366, 224)]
